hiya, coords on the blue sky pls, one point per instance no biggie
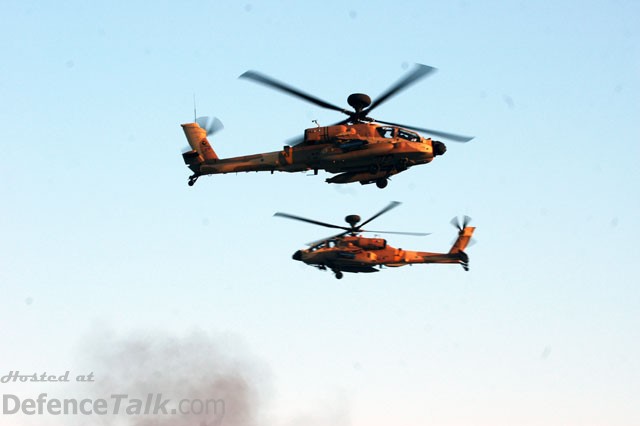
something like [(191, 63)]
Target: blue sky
[(101, 232)]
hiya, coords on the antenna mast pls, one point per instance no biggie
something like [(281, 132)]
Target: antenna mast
[(194, 108)]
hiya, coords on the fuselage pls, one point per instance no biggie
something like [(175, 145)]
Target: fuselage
[(359, 254), (361, 152)]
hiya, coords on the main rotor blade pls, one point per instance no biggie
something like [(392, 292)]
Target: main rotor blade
[(296, 140), (315, 222), (446, 135), (420, 71), (416, 234), (268, 81), (391, 205)]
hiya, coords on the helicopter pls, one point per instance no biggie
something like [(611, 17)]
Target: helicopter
[(356, 149), (348, 251)]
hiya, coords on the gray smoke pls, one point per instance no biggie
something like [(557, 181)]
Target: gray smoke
[(213, 369)]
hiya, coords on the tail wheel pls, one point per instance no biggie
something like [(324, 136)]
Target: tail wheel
[(339, 275), (193, 179), (382, 183)]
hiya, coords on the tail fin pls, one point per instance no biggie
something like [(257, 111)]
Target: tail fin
[(197, 137), (464, 236)]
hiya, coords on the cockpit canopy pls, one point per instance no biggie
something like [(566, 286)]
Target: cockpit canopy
[(410, 136), (351, 242), (357, 131), (389, 132)]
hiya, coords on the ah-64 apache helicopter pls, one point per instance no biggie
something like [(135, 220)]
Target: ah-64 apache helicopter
[(350, 252), (358, 148)]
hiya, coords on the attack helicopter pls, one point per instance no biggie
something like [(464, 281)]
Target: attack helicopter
[(348, 251), (356, 149)]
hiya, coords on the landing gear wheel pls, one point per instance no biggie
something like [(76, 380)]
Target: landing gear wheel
[(192, 180), (382, 183), (339, 275)]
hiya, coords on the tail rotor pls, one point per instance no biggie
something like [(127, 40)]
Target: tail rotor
[(460, 225), (199, 149), (211, 125), (463, 240)]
